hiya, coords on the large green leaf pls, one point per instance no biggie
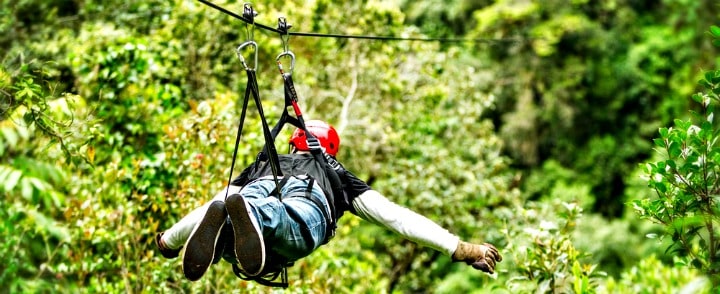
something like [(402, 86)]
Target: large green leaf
[(12, 179)]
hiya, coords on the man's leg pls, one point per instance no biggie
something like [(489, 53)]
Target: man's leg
[(172, 240), (175, 237), (292, 228), (249, 244), (200, 246)]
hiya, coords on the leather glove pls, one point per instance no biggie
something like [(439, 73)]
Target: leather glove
[(481, 256), (166, 252)]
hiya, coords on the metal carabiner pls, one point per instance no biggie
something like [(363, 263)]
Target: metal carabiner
[(292, 61), (239, 50)]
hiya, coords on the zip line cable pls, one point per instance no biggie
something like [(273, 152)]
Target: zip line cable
[(341, 36)]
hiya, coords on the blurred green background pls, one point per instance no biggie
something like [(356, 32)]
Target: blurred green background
[(118, 117)]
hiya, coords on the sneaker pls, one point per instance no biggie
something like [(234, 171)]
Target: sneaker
[(200, 246), (249, 243)]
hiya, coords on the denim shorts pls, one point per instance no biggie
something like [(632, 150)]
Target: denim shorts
[(294, 227)]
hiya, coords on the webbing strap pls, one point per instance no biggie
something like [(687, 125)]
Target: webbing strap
[(266, 280), (269, 140), (252, 90), (243, 112), (278, 188), (291, 100), (322, 207)]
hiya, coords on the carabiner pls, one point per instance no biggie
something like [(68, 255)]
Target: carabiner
[(242, 46), (292, 61)]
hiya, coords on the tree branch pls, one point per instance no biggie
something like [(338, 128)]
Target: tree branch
[(343, 122)]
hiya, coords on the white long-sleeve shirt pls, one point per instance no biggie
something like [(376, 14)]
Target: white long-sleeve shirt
[(375, 208)]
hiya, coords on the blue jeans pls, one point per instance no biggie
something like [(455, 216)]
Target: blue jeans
[(283, 234)]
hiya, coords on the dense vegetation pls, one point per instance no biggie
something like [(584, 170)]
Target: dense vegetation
[(571, 134)]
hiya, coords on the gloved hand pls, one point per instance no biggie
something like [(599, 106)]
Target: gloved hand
[(164, 250), (481, 256)]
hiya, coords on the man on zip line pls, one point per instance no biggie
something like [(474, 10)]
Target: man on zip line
[(261, 229)]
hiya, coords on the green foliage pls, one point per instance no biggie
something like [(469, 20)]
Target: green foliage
[(118, 117), (686, 184), (616, 245), (586, 83), (651, 275), (123, 82), (442, 18), (548, 261), (29, 97), (560, 183), (32, 189)]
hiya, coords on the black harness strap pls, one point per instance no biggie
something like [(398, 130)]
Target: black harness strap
[(320, 205), (265, 279), (281, 184), (269, 139), (237, 142), (252, 90)]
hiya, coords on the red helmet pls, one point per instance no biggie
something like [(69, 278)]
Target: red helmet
[(323, 131)]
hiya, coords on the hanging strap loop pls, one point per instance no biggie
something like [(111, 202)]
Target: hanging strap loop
[(267, 279), (252, 90), (269, 149)]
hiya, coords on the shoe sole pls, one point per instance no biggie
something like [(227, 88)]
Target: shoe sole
[(200, 247), (249, 243)]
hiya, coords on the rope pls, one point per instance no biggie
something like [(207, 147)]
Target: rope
[(342, 36)]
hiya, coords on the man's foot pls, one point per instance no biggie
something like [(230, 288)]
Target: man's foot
[(249, 244), (164, 250), (200, 246)]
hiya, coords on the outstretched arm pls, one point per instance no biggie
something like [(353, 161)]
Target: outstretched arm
[(374, 207)]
